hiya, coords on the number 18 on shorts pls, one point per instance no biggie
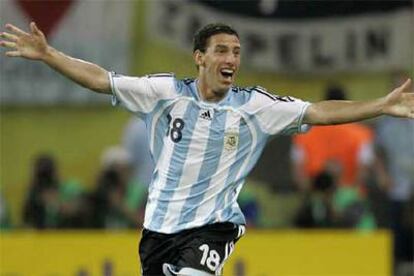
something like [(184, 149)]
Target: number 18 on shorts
[(203, 249)]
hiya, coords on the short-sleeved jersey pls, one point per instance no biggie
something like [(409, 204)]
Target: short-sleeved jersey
[(202, 151)]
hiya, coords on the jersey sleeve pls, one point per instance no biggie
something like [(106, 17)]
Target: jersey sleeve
[(141, 94), (278, 115)]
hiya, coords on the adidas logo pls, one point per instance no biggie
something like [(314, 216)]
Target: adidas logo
[(206, 115)]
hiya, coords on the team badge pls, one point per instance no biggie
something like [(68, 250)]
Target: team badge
[(231, 140)]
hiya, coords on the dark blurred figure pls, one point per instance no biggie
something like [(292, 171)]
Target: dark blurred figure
[(317, 209), (331, 166), (348, 146), (41, 206), (329, 205), (5, 220), (118, 200), (50, 203), (395, 173)]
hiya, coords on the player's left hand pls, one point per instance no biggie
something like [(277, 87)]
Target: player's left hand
[(400, 102)]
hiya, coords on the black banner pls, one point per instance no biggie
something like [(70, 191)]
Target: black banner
[(292, 9), (365, 41)]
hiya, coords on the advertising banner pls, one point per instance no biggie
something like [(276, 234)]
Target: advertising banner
[(264, 253), (298, 36)]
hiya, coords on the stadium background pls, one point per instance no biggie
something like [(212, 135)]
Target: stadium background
[(79, 129)]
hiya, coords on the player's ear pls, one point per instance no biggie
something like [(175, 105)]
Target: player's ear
[(198, 58)]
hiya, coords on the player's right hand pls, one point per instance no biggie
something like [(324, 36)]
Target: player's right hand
[(31, 45)]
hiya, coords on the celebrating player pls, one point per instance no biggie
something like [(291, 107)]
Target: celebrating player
[(205, 137)]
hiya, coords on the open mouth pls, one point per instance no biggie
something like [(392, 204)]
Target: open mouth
[(227, 73)]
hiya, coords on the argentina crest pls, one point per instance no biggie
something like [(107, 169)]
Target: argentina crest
[(231, 139)]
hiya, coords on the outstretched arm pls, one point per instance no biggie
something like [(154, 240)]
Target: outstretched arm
[(399, 103), (34, 46)]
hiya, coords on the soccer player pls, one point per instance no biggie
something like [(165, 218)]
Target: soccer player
[(205, 137)]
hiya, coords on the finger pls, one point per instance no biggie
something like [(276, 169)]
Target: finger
[(32, 27), (16, 30), (35, 29), (406, 87), (13, 54), (8, 44), (8, 36)]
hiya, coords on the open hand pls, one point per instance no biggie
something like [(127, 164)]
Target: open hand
[(400, 102), (31, 45)]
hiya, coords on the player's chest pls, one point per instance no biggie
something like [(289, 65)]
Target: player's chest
[(203, 127)]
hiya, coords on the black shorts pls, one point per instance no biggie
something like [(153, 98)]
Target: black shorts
[(204, 248)]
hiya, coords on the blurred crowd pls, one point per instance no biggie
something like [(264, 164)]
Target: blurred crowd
[(116, 201), (355, 176)]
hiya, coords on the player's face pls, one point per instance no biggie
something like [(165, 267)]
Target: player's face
[(220, 62)]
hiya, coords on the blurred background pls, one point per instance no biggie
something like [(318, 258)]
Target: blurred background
[(335, 201)]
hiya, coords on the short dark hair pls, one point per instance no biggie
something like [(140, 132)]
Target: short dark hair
[(335, 92), (201, 37)]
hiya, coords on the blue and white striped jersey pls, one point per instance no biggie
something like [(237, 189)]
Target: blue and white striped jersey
[(202, 151)]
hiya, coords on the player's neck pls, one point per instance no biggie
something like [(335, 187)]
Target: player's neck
[(206, 93)]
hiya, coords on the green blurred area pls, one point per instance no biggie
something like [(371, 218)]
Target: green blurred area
[(76, 136)]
